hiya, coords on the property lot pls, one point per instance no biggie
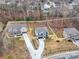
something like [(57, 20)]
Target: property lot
[(18, 50), (53, 47), (53, 44)]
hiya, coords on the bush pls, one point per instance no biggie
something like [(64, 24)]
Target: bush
[(19, 19), (26, 19)]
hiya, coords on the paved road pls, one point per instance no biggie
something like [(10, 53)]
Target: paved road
[(67, 55)]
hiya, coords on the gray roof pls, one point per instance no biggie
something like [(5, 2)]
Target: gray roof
[(41, 29), (15, 28), (71, 31)]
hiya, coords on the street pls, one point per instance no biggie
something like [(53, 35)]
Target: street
[(67, 55)]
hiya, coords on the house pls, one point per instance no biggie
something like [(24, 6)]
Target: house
[(46, 6), (71, 33), (41, 32), (9, 2), (15, 30)]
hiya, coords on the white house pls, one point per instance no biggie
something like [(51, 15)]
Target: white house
[(47, 6), (41, 32)]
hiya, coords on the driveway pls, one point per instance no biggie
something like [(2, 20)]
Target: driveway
[(35, 54)]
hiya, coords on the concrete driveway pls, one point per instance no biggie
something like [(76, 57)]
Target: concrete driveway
[(35, 53)]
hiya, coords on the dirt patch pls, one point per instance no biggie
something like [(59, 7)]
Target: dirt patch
[(53, 47)]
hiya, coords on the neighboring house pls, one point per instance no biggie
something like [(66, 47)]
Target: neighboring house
[(9, 2), (73, 3), (41, 32), (15, 30), (71, 34), (47, 6)]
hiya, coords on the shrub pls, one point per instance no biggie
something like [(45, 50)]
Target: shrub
[(20, 19), (26, 19)]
